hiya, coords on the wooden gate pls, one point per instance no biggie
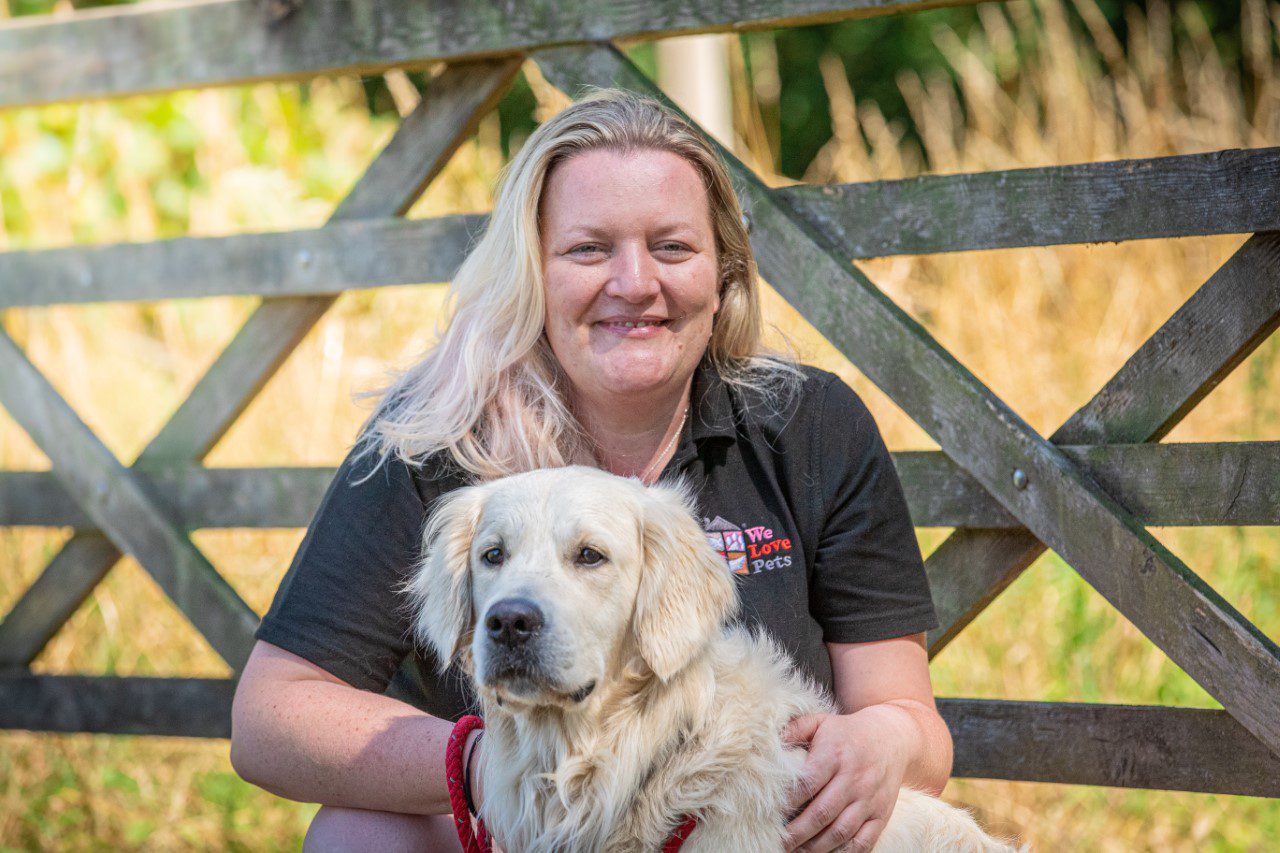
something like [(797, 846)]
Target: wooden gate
[(1088, 491)]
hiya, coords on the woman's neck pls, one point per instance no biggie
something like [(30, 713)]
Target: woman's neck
[(632, 436)]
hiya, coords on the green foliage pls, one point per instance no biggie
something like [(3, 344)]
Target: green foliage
[(875, 51)]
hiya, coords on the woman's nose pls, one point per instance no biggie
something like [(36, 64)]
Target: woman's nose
[(633, 274)]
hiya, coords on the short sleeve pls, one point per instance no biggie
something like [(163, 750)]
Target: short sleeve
[(868, 580), (338, 605)]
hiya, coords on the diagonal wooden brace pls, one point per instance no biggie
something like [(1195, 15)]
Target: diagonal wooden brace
[(1030, 477), (116, 500), (448, 114), (1205, 339)]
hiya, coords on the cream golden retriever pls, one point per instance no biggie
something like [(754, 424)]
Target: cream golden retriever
[(590, 612)]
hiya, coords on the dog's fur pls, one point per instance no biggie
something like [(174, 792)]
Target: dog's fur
[(631, 705)]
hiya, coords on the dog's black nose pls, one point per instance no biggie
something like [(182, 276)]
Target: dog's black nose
[(512, 621)]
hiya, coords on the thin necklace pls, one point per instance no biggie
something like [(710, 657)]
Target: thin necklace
[(644, 475)]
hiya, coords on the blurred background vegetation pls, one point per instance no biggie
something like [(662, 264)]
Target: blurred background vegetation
[(997, 86)]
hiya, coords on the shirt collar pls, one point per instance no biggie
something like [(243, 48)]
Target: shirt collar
[(711, 410)]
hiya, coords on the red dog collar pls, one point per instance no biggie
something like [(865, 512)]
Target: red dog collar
[(680, 834)]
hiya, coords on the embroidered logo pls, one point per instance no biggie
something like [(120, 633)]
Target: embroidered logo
[(747, 551), (729, 543)]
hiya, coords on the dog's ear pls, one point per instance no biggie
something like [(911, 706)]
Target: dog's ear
[(440, 587), (686, 592)]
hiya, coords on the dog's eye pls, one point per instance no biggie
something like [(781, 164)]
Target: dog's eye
[(493, 556), (589, 557)]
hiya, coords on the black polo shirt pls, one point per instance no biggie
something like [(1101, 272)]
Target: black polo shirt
[(801, 499)]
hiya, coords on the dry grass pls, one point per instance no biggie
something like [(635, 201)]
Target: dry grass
[(1044, 328)]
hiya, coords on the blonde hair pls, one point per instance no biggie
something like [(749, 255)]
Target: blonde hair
[(490, 392)]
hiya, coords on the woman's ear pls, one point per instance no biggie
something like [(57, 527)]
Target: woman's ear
[(440, 587), (686, 592)]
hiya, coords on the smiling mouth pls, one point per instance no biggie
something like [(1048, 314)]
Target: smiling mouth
[(640, 324), (633, 325)]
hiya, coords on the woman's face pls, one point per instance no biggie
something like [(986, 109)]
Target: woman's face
[(630, 270)]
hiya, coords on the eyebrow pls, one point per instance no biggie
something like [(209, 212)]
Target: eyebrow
[(591, 231)]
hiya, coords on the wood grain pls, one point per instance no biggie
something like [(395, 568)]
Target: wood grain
[(161, 46), (348, 255), (1222, 192), (1127, 746), (1217, 193), (1163, 485)]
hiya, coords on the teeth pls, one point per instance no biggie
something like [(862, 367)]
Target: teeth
[(640, 325)]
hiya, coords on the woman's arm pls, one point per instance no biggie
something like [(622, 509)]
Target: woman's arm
[(893, 677), (304, 734), (890, 734)]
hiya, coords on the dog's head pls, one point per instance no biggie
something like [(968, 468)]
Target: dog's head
[(542, 582)]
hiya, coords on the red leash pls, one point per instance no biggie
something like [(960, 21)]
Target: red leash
[(453, 772)]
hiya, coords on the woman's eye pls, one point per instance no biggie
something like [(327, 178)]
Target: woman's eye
[(586, 247), (674, 247), (589, 557), (493, 556)]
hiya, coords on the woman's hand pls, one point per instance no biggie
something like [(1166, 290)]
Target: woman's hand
[(851, 779)]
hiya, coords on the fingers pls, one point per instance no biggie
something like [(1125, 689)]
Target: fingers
[(819, 769), (868, 836), (863, 841), (825, 809), (802, 729), (851, 832)]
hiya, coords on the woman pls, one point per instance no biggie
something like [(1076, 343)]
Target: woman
[(609, 316)]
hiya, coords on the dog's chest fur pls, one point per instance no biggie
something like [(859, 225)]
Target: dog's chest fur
[(706, 743)]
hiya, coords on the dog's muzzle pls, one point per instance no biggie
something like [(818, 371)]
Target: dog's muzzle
[(517, 657), (513, 630), (513, 622)]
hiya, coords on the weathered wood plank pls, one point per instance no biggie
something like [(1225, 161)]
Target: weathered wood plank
[(1222, 323), (195, 497), (1234, 661), (1233, 191), (121, 507), (449, 112), (1163, 485), (355, 254), (1178, 749), (1185, 359), (55, 596), (182, 707), (158, 47), (1126, 746), (1223, 192)]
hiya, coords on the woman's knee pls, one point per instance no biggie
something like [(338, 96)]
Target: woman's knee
[(339, 830)]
